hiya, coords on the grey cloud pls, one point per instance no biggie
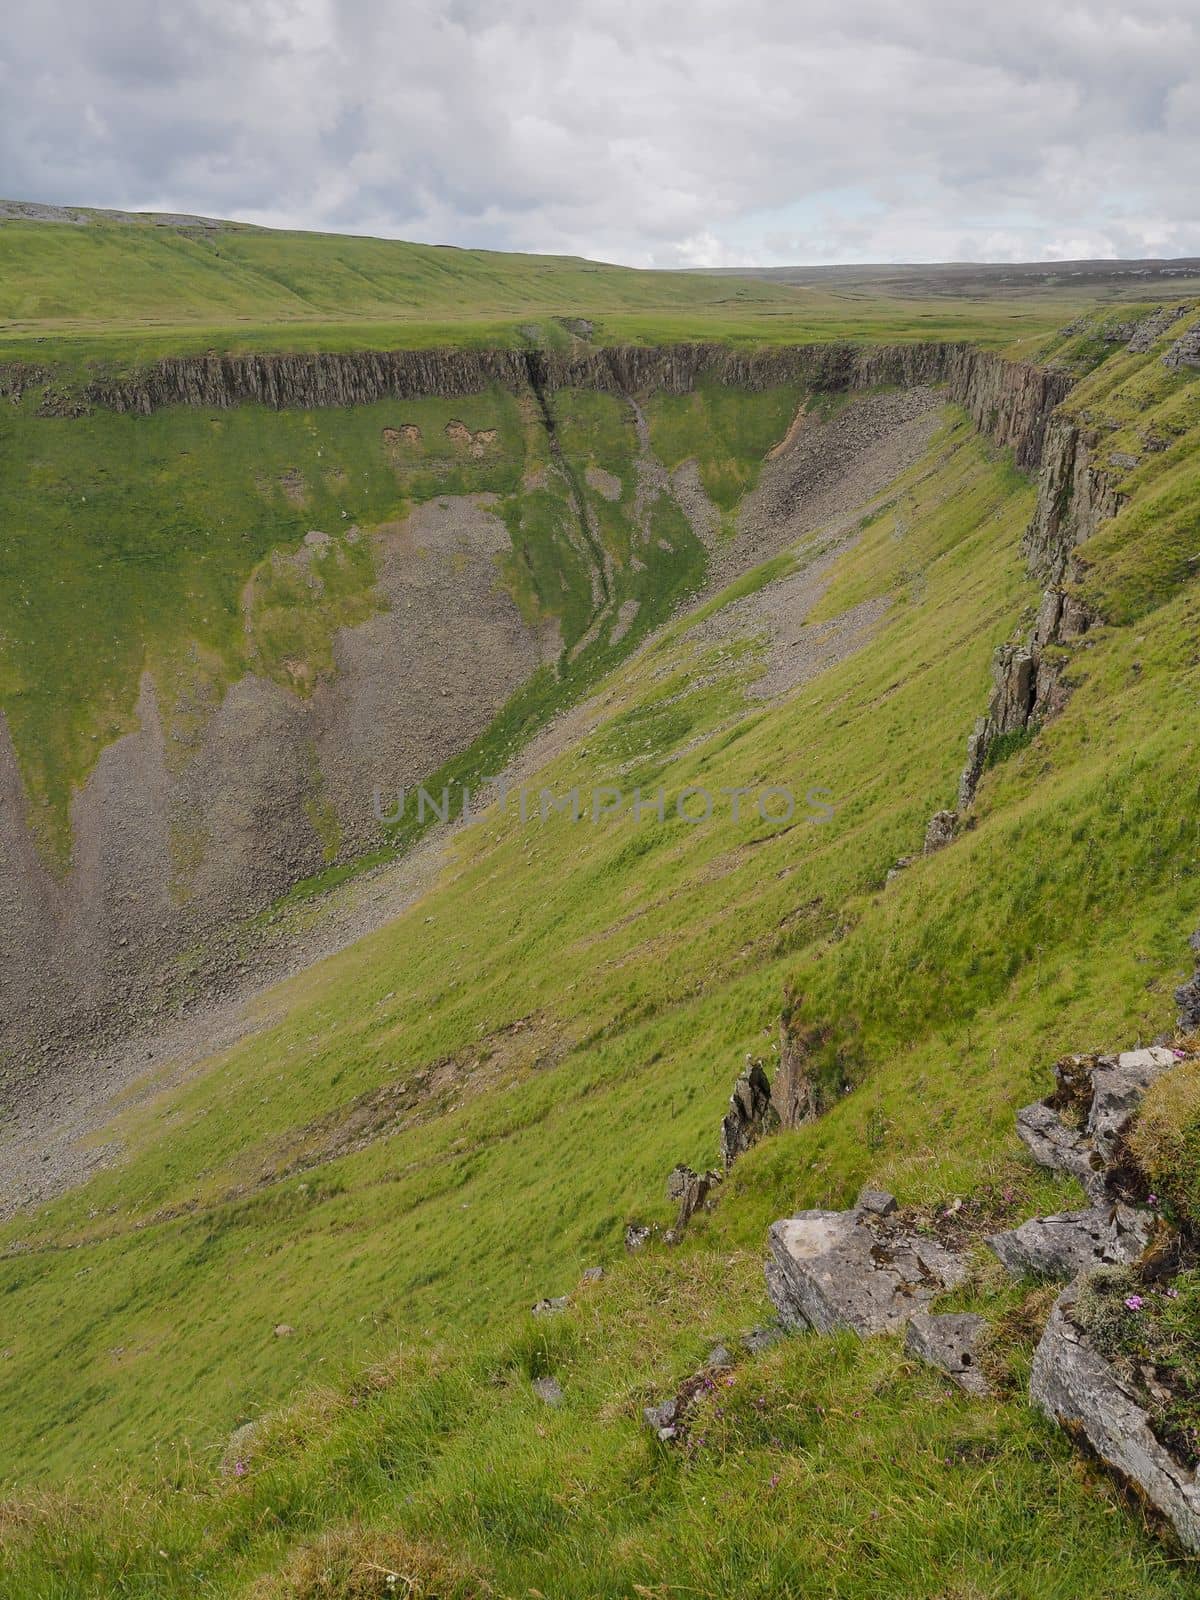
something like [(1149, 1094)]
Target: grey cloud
[(654, 133)]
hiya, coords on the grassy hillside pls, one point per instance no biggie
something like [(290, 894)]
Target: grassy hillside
[(460, 1114), (127, 293)]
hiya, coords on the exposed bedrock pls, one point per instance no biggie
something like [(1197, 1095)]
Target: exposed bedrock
[(1011, 401), (1097, 1405), (1074, 497)]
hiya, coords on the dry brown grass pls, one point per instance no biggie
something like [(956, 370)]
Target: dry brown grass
[(364, 1564), (1165, 1140)]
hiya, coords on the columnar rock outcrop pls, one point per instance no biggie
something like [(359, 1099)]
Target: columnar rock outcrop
[(1011, 401), (795, 1093), (749, 1116), (1074, 498)]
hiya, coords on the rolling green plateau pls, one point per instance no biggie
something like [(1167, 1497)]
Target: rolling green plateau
[(120, 294), (277, 1339)]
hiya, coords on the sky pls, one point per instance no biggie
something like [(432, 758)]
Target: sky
[(711, 133)]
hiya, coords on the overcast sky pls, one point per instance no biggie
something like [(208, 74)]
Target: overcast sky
[(712, 132)]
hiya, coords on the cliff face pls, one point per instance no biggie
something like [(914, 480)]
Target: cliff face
[(1074, 498), (1010, 401)]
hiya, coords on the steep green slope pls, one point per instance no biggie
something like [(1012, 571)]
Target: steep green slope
[(458, 1115)]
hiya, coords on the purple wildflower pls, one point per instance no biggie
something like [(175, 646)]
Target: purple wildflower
[(1134, 1302)]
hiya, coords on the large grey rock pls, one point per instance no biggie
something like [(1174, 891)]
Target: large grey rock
[(851, 1269), (949, 1340), (1073, 1383), (1071, 1242), (1151, 328)]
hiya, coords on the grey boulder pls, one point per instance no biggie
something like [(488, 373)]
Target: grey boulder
[(1117, 1090), (1057, 1146), (1073, 1383), (1071, 1242), (852, 1269)]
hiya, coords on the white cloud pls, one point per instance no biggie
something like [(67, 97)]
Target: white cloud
[(700, 134)]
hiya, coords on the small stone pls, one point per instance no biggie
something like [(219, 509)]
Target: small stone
[(719, 1356), (284, 1330), (550, 1307), (760, 1339), (549, 1390), (636, 1235), (592, 1274), (877, 1201), (949, 1341), (662, 1418)]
